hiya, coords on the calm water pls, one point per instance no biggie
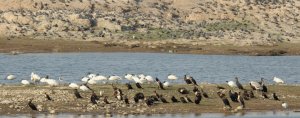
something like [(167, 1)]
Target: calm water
[(204, 68), (270, 114)]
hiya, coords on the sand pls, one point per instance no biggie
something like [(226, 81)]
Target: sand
[(50, 46), (14, 100)]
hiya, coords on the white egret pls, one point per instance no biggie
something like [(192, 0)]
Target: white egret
[(278, 80)]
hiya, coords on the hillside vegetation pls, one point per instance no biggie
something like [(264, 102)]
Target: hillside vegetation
[(237, 22)]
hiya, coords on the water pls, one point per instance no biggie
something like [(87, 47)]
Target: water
[(269, 114), (205, 68)]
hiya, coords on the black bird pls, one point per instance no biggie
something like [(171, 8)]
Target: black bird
[(264, 88), (156, 94), (264, 95), (94, 98), (138, 96), (198, 98), (239, 85), (241, 100), (77, 94), (226, 102), (188, 99), (138, 85), (233, 96), (195, 89), (106, 100), (183, 100), (275, 97), (187, 79), (174, 99), (126, 100), (128, 86), (183, 91), (204, 93), (160, 85), (149, 102), (31, 105), (193, 81), (162, 99), (48, 97)]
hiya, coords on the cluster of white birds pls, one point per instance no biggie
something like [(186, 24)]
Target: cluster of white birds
[(137, 78), (255, 84)]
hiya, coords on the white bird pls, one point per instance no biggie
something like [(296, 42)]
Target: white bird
[(52, 82), (166, 84), (141, 76), (284, 105), (11, 77), (43, 80), (35, 77), (136, 79), (73, 85), (85, 79), (232, 84), (172, 77), (114, 78), (128, 77), (100, 78), (149, 78), (25, 82), (256, 85), (84, 88), (92, 81), (91, 76), (278, 80)]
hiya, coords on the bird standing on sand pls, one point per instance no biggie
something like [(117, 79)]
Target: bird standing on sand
[(198, 98), (129, 87), (188, 99), (231, 84), (31, 105), (182, 99), (187, 79), (241, 100), (224, 100), (239, 85), (160, 85), (138, 85), (162, 99), (94, 98), (138, 96), (193, 81), (173, 98), (126, 100), (77, 94), (233, 96), (48, 97)]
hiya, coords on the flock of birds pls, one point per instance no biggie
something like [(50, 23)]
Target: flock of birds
[(235, 96)]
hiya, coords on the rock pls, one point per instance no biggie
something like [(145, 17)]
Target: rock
[(6, 102), (102, 23)]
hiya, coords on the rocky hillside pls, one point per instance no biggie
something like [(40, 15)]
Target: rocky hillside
[(238, 22)]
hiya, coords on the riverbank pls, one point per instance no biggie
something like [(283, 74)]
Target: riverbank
[(162, 46), (14, 99)]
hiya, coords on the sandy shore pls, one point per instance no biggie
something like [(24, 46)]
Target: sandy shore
[(48, 46), (14, 99)]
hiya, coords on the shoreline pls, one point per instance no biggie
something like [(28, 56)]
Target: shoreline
[(14, 99), (19, 46)]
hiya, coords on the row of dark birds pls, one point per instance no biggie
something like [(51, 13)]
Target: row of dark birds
[(238, 96)]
